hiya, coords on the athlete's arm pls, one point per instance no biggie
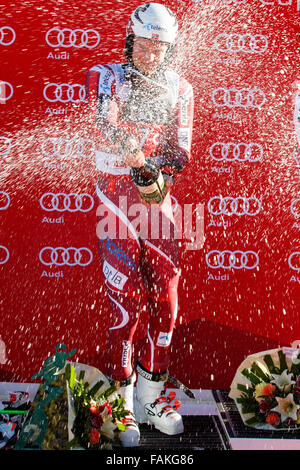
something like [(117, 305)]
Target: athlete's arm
[(177, 149), (100, 87)]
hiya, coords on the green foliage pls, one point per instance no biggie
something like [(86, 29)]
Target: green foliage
[(250, 376), (282, 360), (259, 373), (270, 364), (248, 404)]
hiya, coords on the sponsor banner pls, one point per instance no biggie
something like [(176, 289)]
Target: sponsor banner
[(113, 276)]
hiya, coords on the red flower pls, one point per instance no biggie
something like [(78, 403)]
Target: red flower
[(108, 409), (272, 418), (269, 389), (94, 409), (106, 405), (96, 421), (289, 422), (264, 406), (95, 436)]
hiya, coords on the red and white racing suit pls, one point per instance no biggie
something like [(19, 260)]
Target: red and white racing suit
[(141, 263)]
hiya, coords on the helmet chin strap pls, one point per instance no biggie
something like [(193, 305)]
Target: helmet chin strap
[(132, 69)]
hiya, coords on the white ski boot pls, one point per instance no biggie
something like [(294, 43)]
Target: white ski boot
[(130, 437), (151, 404)]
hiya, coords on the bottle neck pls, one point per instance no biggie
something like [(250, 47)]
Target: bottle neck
[(145, 175)]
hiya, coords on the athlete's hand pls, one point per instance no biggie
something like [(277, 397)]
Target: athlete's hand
[(136, 160), (132, 155)]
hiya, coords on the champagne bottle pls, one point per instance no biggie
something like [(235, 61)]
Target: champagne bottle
[(149, 182)]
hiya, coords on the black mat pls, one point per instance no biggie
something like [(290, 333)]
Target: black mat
[(200, 433)]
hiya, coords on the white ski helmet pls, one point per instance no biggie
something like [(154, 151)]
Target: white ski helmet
[(152, 21)]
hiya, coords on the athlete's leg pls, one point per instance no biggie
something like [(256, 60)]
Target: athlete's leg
[(160, 266), (160, 269), (160, 260), (120, 259)]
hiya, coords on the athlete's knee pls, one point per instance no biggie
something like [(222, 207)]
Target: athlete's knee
[(164, 283)]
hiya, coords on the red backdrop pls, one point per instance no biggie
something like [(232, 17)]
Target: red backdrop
[(224, 313)]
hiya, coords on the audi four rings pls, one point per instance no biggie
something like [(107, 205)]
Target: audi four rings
[(244, 98), (232, 259), (67, 202), (7, 36), (228, 205), (70, 256), (241, 151), (61, 147), (4, 254), (295, 207), (4, 205), (294, 261), (64, 92), (5, 145), (66, 37), (3, 91), (241, 43)]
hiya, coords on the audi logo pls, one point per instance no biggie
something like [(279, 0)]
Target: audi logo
[(4, 205), (295, 207), (241, 151), (6, 91), (64, 92), (5, 145), (232, 259), (70, 256), (241, 43), (294, 261), (228, 205), (4, 254), (66, 37), (67, 202), (60, 147), (244, 98), (7, 36)]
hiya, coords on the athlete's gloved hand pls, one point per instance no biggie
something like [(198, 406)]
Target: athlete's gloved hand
[(171, 167), (167, 166)]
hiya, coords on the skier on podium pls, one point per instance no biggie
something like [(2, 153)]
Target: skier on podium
[(143, 112)]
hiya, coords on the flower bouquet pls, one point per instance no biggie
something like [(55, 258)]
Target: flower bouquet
[(266, 389), (96, 412), (75, 407)]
